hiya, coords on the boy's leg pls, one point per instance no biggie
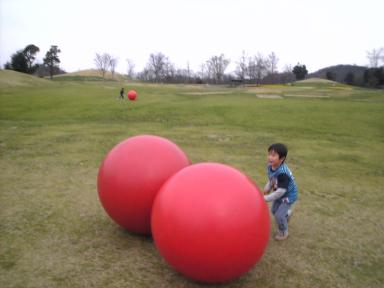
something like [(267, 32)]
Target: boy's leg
[(274, 207), (289, 213), (282, 220)]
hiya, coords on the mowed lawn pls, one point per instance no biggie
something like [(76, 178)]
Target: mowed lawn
[(54, 135)]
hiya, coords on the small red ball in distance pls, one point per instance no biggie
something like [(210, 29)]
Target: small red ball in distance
[(132, 174), (210, 222), (132, 94)]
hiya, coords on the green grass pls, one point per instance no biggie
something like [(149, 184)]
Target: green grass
[(54, 135), (78, 78)]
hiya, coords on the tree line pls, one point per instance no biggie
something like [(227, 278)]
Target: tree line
[(24, 61), (372, 76), (256, 69), (250, 69)]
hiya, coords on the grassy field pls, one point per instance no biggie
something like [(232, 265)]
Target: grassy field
[(54, 135)]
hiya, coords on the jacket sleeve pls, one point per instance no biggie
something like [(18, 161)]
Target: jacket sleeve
[(267, 187), (275, 195)]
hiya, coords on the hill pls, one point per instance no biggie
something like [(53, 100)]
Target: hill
[(339, 72), (10, 78), (89, 75), (314, 80)]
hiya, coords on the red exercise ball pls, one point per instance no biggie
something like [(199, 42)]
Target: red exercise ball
[(210, 222), (132, 94), (132, 174)]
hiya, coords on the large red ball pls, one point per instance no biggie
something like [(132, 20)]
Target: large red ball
[(132, 174), (132, 94), (210, 222)]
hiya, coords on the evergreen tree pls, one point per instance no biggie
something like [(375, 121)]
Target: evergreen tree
[(300, 71), (330, 75), (29, 54), (19, 62), (51, 59), (374, 77), (349, 78)]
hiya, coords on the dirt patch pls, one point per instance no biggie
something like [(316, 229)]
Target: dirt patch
[(269, 96), (306, 96), (206, 93)]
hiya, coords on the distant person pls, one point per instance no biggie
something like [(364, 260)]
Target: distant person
[(283, 185), (122, 93)]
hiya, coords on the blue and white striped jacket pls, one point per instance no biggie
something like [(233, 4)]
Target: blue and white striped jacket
[(291, 193)]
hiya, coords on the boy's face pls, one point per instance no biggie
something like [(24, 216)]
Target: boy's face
[(274, 159)]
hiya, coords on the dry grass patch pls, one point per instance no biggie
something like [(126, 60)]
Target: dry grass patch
[(269, 96), (307, 95)]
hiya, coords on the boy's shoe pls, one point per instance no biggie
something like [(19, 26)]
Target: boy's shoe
[(281, 236)]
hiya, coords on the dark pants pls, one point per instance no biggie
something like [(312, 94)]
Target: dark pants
[(280, 209)]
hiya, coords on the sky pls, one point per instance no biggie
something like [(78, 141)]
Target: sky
[(317, 33)]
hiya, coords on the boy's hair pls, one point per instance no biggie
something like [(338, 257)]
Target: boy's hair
[(280, 149)]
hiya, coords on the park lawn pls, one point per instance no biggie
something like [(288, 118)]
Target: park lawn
[(54, 135)]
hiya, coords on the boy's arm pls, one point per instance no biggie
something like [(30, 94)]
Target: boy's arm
[(267, 187), (282, 187), (275, 194)]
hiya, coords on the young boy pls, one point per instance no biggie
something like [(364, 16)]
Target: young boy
[(122, 93), (283, 184)]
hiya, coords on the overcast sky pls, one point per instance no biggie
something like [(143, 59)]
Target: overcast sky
[(312, 32)]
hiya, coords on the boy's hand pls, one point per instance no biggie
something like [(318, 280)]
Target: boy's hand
[(267, 188), (286, 200), (266, 198)]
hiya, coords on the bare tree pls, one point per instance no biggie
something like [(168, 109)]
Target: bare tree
[(242, 68), (256, 68), (103, 62), (261, 69), (157, 64), (202, 72), (271, 63), (287, 76), (145, 75), (217, 66), (112, 65), (251, 69), (181, 76), (375, 56), (131, 68), (159, 68), (208, 72), (188, 72), (382, 57), (169, 71)]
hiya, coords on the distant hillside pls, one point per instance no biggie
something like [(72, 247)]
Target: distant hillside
[(316, 81), (339, 72), (90, 75), (10, 78)]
